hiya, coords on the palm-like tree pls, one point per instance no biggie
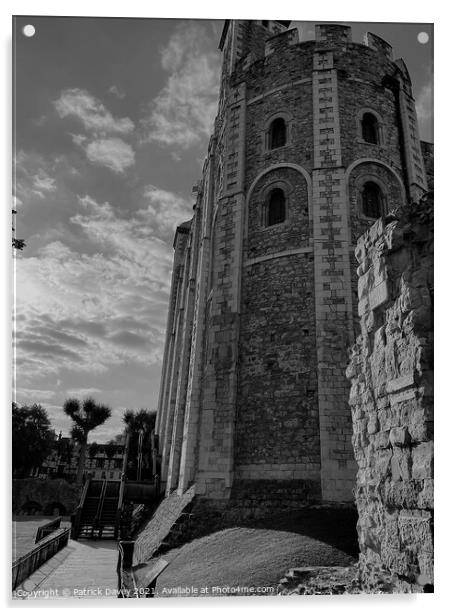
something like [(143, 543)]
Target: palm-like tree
[(85, 417), (140, 426)]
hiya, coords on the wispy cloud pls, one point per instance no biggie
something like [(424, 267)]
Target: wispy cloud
[(183, 112), (34, 177), (87, 312), (166, 208), (118, 92), (113, 153), (43, 183), (91, 112), (104, 142), (83, 392)]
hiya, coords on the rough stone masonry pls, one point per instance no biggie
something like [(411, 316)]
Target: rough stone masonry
[(253, 408), (391, 374)]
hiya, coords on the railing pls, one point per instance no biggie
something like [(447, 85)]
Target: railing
[(76, 516), (121, 487), (25, 565), (47, 529), (149, 572)]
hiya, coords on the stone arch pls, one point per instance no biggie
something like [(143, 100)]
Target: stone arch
[(374, 161), (283, 115), (298, 168), (31, 507), (296, 183), (276, 185), (380, 125), (370, 170)]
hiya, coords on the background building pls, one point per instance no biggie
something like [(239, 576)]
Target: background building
[(103, 461)]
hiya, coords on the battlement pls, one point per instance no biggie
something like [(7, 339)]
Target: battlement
[(333, 34), (375, 42), (282, 39)]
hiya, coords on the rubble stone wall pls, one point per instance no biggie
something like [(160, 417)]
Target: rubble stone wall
[(391, 374)]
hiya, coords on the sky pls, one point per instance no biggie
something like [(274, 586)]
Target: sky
[(111, 124)]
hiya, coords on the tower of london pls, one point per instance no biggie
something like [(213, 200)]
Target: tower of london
[(313, 141)]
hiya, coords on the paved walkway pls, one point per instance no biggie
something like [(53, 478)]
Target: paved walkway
[(82, 570), (24, 531)]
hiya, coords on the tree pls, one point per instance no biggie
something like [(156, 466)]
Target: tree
[(110, 449), (140, 425), (32, 437), (93, 450), (17, 243), (85, 417)]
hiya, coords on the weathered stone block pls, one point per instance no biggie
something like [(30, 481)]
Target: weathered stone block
[(423, 461), (399, 437), (391, 374), (402, 382), (401, 465), (416, 531)]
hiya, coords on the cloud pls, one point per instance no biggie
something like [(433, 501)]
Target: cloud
[(166, 209), (37, 395), (118, 92), (43, 349), (83, 392), (34, 176), (182, 114), (129, 339), (424, 109), (113, 153), (89, 311), (43, 183), (104, 143), (91, 112)]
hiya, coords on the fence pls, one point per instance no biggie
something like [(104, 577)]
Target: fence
[(47, 529), (25, 565)]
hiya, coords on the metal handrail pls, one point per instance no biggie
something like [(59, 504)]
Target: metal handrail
[(47, 529), (122, 484), (27, 564), (76, 516)]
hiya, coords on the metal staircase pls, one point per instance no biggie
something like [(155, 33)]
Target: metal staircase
[(97, 516)]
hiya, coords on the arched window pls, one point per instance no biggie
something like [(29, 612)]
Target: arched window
[(369, 125), (276, 207), (277, 133), (372, 200)]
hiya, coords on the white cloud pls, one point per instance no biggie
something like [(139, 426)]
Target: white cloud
[(34, 176), (83, 392), (118, 92), (113, 153), (43, 183), (94, 116), (166, 209), (183, 112), (103, 145), (121, 291), (37, 395), (79, 139)]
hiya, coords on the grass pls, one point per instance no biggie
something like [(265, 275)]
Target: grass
[(259, 554)]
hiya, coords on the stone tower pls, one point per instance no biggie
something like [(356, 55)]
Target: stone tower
[(312, 142)]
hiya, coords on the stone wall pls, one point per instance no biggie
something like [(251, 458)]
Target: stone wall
[(391, 374), (49, 494), (254, 385)]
